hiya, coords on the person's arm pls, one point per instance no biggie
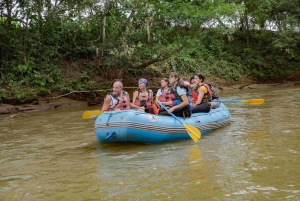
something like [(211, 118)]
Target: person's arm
[(167, 103), (200, 97), (156, 99), (128, 97), (202, 90), (132, 105), (184, 103), (106, 104), (151, 95)]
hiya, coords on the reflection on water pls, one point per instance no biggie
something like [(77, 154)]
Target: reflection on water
[(54, 155)]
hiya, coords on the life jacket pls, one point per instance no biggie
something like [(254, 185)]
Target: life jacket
[(176, 99), (120, 103), (207, 96), (166, 96), (143, 100), (214, 94)]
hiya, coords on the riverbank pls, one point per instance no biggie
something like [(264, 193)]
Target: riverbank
[(79, 98)]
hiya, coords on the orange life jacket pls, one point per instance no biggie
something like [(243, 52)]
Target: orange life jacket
[(207, 96)]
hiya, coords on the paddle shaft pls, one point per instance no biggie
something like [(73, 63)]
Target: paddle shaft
[(227, 101), (248, 101)]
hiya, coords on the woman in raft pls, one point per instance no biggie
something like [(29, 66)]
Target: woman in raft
[(202, 97), (163, 94), (179, 102), (142, 98)]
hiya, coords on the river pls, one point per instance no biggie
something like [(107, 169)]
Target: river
[(53, 155)]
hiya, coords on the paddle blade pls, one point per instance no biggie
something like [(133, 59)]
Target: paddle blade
[(193, 132), (91, 114), (254, 101)]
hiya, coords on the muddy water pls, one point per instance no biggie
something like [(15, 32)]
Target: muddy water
[(53, 155)]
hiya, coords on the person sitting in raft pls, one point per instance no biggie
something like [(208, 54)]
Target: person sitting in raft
[(142, 98), (117, 100), (180, 105), (202, 95), (163, 94)]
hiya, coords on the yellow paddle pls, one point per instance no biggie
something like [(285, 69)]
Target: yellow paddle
[(91, 114), (249, 101), (194, 133)]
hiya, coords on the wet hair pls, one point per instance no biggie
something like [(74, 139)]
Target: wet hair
[(165, 79), (200, 76), (180, 80)]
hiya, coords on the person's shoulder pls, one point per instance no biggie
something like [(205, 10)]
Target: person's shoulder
[(107, 98), (203, 88), (182, 90)]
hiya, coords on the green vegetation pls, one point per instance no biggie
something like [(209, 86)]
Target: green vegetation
[(62, 46)]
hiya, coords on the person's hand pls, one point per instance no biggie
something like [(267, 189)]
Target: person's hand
[(141, 109), (171, 110), (164, 103)]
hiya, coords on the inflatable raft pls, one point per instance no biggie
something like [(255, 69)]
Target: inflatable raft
[(141, 127)]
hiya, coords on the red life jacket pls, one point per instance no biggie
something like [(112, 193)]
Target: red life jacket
[(207, 96), (144, 99), (120, 103), (166, 96)]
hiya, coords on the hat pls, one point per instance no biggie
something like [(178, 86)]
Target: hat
[(143, 80)]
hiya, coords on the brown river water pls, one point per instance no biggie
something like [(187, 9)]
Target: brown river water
[(54, 155)]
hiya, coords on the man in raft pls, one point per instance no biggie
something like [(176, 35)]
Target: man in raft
[(117, 100)]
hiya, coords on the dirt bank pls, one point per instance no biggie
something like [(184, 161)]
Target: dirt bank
[(96, 97)]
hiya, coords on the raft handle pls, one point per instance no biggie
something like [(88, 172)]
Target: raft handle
[(110, 135)]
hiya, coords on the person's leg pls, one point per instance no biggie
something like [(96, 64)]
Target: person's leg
[(164, 113), (161, 110), (177, 112), (213, 105), (151, 110), (203, 107)]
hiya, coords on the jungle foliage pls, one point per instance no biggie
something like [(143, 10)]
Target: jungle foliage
[(63, 45)]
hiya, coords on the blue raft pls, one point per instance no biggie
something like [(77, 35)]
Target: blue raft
[(140, 127)]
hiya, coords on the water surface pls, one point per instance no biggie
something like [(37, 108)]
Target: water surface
[(53, 155)]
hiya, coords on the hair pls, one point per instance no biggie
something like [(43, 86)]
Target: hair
[(165, 79), (200, 76), (193, 77), (180, 80), (120, 83)]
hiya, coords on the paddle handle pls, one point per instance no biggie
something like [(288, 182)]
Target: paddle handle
[(170, 113)]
